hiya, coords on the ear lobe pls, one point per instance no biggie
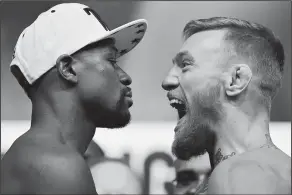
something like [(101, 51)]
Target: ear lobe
[(238, 79), (65, 68)]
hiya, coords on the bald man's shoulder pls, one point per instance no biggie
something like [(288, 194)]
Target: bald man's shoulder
[(264, 171)]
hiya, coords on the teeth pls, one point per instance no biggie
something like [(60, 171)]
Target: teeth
[(175, 101)]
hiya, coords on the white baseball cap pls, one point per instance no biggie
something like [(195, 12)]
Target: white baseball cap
[(65, 29)]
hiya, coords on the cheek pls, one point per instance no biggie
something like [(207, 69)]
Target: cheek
[(191, 84), (98, 85), (200, 82)]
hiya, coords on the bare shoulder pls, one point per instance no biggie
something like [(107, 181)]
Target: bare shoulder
[(49, 167), (263, 171), (67, 173)]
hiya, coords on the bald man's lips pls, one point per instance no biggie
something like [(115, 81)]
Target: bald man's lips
[(128, 97), (128, 93), (130, 101)]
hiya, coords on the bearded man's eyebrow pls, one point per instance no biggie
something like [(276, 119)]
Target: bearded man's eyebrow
[(181, 55)]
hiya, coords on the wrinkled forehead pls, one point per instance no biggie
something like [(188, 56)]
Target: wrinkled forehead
[(204, 42)]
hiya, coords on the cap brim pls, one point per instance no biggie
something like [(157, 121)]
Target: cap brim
[(127, 36)]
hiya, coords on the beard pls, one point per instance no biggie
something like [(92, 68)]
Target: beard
[(196, 133), (103, 116), (119, 118)]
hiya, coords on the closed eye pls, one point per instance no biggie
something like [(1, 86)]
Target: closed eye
[(113, 61), (183, 59), (186, 63)]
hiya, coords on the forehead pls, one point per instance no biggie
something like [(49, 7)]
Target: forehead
[(204, 43)]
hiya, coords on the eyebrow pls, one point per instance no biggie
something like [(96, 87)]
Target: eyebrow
[(113, 51), (182, 54), (114, 48)]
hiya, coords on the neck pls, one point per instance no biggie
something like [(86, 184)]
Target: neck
[(239, 133), (63, 120)]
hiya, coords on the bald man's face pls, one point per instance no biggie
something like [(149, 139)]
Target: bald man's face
[(103, 86)]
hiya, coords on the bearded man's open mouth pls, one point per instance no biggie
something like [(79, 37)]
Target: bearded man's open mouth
[(179, 104)]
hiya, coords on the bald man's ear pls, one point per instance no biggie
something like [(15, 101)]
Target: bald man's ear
[(237, 79), (65, 68)]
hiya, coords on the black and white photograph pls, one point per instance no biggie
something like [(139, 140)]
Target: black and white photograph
[(145, 97)]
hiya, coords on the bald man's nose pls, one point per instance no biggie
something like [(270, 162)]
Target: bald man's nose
[(125, 79), (170, 83)]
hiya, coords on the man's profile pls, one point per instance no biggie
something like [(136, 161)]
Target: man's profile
[(66, 62), (222, 83)]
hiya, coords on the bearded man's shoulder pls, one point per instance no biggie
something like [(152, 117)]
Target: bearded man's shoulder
[(245, 175)]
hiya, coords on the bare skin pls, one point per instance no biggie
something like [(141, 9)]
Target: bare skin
[(263, 171), (234, 133), (49, 158), (41, 164)]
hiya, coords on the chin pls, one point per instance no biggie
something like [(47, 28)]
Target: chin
[(193, 136), (121, 122), (120, 117), (195, 130), (115, 120)]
